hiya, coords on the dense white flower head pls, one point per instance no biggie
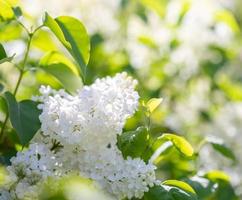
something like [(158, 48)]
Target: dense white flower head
[(5, 195), (37, 160), (28, 169), (97, 112), (122, 178), (79, 135)]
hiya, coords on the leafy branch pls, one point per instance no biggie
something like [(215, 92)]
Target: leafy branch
[(21, 70)]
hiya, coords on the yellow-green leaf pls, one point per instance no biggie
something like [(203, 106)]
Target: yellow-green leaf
[(180, 143), (226, 17), (180, 184), (153, 103), (6, 12), (44, 41), (158, 6), (216, 175), (62, 69), (165, 192)]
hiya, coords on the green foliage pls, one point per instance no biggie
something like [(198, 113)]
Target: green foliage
[(156, 5), (232, 89), (24, 117), (217, 175), (61, 68), (204, 188), (9, 32), (2, 52), (73, 35), (3, 55), (17, 11), (3, 105), (134, 143), (180, 143), (153, 104), (213, 185), (226, 191), (43, 40), (139, 143), (226, 17), (222, 148), (6, 12), (180, 184), (164, 192)]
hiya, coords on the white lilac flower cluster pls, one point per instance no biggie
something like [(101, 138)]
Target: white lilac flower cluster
[(192, 51), (152, 38), (28, 169), (79, 134)]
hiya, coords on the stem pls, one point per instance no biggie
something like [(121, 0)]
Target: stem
[(23, 65), (149, 122), (21, 24), (18, 82), (201, 145), (4, 124)]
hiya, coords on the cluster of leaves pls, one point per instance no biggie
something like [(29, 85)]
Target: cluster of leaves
[(69, 72), (210, 185), (72, 34)]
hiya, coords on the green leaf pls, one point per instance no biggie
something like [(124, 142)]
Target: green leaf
[(184, 186), (231, 88), (8, 59), (147, 41), (9, 32), (44, 41), (227, 18), (158, 149), (226, 191), (216, 175), (204, 187), (160, 146), (152, 104), (6, 12), (24, 117), (3, 55), (180, 143), (156, 5), (73, 35), (134, 143), (3, 105), (17, 11), (164, 192), (221, 147), (62, 69), (2, 52)]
